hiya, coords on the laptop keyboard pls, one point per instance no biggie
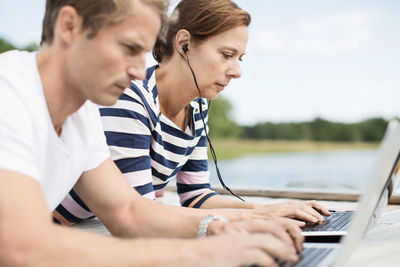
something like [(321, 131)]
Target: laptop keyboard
[(309, 257), (336, 222)]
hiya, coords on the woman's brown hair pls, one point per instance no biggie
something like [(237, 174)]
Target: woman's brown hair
[(203, 19)]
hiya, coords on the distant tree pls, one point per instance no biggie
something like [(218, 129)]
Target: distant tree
[(258, 131), (31, 47), (344, 132), (5, 45), (372, 129), (219, 119), (319, 129)]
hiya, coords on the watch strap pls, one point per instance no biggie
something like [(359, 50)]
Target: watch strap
[(203, 225)]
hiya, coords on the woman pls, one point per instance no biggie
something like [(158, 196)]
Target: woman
[(156, 131)]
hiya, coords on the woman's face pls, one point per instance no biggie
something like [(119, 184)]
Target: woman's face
[(216, 60)]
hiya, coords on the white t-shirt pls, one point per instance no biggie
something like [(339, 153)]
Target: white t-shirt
[(28, 141)]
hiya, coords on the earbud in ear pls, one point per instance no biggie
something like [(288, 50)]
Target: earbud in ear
[(185, 48)]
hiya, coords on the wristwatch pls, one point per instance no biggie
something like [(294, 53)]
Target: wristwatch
[(203, 225)]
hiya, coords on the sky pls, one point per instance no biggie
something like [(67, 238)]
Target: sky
[(339, 60)]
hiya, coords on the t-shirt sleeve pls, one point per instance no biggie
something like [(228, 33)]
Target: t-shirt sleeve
[(98, 146), (19, 149), (127, 130), (72, 209)]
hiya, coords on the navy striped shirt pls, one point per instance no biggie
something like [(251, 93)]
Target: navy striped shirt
[(150, 150)]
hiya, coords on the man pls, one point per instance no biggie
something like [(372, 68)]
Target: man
[(51, 140)]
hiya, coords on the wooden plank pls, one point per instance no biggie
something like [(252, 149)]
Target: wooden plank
[(282, 193), (350, 196)]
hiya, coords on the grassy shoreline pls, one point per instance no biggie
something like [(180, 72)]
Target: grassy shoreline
[(234, 148)]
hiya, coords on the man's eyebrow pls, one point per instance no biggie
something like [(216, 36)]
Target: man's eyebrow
[(138, 47)]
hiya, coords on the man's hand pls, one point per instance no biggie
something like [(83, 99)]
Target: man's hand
[(240, 249), (286, 230)]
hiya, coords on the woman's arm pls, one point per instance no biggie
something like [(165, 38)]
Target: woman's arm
[(306, 211)]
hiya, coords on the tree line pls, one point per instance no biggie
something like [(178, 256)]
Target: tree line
[(319, 129), (369, 130), (6, 45)]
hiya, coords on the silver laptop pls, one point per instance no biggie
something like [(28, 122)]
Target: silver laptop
[(370, 204), (338, 223)]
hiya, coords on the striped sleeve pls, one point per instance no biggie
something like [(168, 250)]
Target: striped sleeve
[(127, 129), (193, 180), (71, 210)]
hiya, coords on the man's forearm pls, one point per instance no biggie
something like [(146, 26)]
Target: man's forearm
[(61, 246), (146, 218), (151, 219), (126, 213)]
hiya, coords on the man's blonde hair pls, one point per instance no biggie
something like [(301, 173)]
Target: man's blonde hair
[(95, 14)]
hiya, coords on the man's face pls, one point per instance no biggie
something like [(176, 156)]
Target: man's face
[(102, 67)]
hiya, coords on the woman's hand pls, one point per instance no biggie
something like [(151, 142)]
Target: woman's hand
[(235, 210), (306, 211)]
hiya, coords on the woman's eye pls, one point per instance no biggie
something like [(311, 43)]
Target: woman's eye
[(227, 55)]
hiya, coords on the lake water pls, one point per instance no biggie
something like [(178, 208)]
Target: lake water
[(336, 170)]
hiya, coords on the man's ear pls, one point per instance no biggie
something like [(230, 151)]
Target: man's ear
[(68, 25), (182, 38)]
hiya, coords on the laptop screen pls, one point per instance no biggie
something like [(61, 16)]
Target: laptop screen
[(379, 182)]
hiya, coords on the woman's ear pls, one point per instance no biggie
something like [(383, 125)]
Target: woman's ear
[(182, 41)]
